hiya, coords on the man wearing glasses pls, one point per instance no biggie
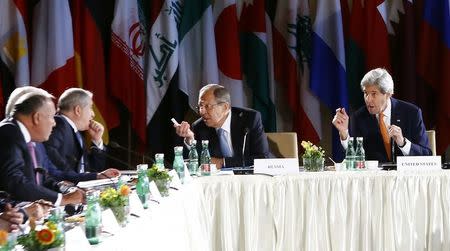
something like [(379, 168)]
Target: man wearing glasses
[(226, 128)]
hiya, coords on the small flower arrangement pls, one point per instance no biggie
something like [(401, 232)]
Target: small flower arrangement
[(161, 179), (313, 157), (117, 200), (5, 243), (49, 236), (312, 151)]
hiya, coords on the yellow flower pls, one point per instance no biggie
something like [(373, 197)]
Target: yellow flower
[(45, 236), (51, 225), (3, 237), (125, 190)]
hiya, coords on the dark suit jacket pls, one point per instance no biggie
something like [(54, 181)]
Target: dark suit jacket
[(65, 151), (17, 175), (241, 118), (405, 115), (59, 174)]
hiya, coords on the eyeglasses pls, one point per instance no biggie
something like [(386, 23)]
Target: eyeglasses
[(207, 107)]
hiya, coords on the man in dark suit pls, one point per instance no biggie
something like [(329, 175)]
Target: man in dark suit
[(390, 127), (30, 121), (226, 128), (66, 147)]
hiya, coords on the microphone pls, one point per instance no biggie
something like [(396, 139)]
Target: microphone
[(246, 130), (104, 153), (114, 144)]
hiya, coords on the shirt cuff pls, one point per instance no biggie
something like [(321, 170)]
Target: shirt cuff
[(99, 144), (344, 142), (406, 148), (58, 201)]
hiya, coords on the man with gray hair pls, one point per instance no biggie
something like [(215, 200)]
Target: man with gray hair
[(390, 127), (226, 128), (66, 146), (30, 120)]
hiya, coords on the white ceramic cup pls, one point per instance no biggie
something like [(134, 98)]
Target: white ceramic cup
[(339, 166), (371, 164)]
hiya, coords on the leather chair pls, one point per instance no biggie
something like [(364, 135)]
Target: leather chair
[(432, 139), (283, 144)]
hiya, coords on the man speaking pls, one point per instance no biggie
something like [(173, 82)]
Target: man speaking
[(390, 127), (226, 128)]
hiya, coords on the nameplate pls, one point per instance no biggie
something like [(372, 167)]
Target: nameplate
[(136, 206), (76, 240), (418, 163), (276, 166), (176, 182), (155, 195)]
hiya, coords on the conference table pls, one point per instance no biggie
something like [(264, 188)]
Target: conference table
[(348, 210)]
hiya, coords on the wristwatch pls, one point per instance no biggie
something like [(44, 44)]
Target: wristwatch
[(404, 143)]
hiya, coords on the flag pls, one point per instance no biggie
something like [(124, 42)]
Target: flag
[(163, 51), (226, 32), (53, 57), (328, 56), (126, 73), (291, 52), (89, 61), (368, 45), (13, 40), (256, 57), (197, 51), (433, 63)]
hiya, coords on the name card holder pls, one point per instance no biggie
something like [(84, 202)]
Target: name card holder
[(76, 240), (136, 206), (276, 166), (419, 163), (176, 182), (109, 222), (154, 191)]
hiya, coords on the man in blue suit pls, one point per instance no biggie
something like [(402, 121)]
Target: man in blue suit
[(66, 147), (226, 128), (30, 121), (390, 127)]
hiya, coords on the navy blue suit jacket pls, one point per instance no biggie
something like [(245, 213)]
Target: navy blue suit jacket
[(241, 119), (405, 115), (65, 151), (17, 174)]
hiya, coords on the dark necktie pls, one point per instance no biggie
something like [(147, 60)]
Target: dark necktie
[(80, 140), (32, 151), (223, 141)]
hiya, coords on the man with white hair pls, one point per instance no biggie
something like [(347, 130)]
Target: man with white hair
[(390, 127), (66, 146)]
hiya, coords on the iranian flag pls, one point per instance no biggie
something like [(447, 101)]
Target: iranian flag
[(126, 74), (53, 57)]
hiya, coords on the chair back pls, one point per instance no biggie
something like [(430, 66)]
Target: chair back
[(283, 144), (432, 139)]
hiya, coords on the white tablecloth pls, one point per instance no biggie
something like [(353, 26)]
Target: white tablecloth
[(364, 210)]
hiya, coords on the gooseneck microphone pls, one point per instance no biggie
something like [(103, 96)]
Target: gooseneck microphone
[(107, 155), (114, 144), (246, 130)]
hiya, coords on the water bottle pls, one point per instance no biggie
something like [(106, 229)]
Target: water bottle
[(159, 159), (193, 158), (350, 155), (142, 186), (93, 217), (178, 163), (205, 159), (360, 155), (57, 218)]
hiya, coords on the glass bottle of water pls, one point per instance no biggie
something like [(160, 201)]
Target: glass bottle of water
[(159, 159), (142, 185), (93, 217), (350, 155), (205, 159), (360, 155), (178, 163), (193, 158)]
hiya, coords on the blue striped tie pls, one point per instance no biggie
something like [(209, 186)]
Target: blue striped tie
[(224, 147), (80, 140)]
